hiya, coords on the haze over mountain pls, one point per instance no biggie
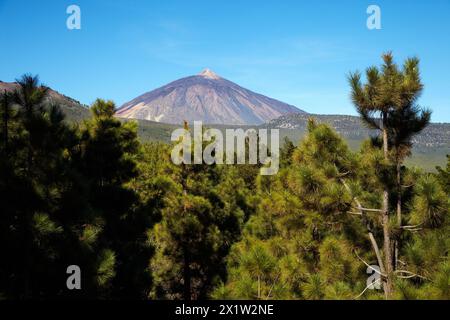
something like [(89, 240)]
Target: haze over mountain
[(205, 97)]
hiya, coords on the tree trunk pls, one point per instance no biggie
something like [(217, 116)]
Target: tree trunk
[(387, 245), (372, 239), (387, 248), (399, 211)]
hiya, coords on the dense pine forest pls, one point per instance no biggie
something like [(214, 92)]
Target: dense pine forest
[(139, 227)]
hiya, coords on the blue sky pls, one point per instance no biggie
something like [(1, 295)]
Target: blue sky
[(296, 51)]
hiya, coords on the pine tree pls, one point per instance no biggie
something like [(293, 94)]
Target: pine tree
[(204, 209), (286, 152), (107, 161), (387, 102), (32, 176), (300, 242), (426, 260)]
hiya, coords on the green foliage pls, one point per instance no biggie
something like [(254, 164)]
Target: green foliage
[(67, 200), (203, 214), (105, 268), (33, 170), (297, 245), (444, 175), (140, 227), (430, 205)]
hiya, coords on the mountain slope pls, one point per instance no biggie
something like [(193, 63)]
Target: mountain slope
[(205, 97), (72, 109), (435, 135)]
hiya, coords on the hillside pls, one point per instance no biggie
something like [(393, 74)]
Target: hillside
[(72, 109), (436, 135)]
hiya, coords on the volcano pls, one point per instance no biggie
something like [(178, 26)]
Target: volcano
[(205, 97)]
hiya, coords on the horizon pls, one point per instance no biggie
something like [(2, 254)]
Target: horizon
[(302, 58)]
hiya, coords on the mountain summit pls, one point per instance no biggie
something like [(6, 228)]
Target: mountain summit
[(209, 74), (205, 97)]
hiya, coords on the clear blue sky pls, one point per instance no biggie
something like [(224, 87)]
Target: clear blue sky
[(296, 51)]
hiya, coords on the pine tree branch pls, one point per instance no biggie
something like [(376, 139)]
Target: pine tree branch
[(364, 209), (370, 209), (412, 227), (369, 266), (355, 213), (372, 239), (271, 287), (409, 275), (365, 289)]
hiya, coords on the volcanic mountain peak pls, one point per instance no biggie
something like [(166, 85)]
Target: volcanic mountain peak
[(205, 97), (209, 74)]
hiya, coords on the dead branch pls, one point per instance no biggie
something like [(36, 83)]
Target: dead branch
[(369, 266), (365, 289), (409, 274)]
